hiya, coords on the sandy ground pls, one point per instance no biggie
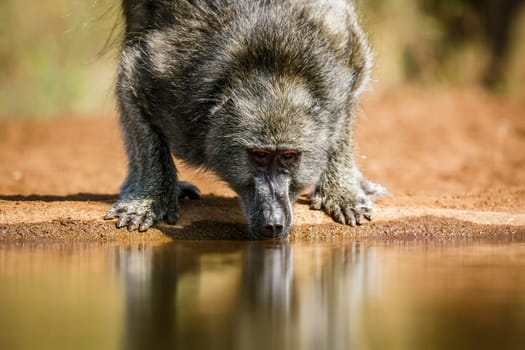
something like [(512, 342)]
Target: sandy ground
[(453, 161)]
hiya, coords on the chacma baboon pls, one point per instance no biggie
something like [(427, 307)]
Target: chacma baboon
[(259, 91)]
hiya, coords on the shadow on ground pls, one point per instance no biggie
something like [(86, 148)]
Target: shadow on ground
[(78, 197)]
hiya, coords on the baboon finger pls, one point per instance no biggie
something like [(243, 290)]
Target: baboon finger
[(148, 221), (110, 215), (368, 213), (315, 203), (172, 217), (135, 221), (338, 216), (188, 190), (358, 217), (350, 217), (114, 211), (122, 221)]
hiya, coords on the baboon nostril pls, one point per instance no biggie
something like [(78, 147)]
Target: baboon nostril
[(272, 230), (273, 225)]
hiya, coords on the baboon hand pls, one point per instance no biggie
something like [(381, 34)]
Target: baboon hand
[(348, 205), (345, 207), (142, 213), (139, 213), (188, 190)]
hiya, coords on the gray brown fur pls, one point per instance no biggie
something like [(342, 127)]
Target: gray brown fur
[(209, 80)]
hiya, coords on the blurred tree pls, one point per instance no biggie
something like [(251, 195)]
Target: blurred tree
[(465, 20)]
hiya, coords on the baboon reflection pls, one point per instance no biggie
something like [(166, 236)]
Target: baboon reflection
[(237, 296)]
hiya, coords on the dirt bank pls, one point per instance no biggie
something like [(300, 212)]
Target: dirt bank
[(454, 162)]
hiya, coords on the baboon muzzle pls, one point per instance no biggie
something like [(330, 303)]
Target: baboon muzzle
[(270, 210)]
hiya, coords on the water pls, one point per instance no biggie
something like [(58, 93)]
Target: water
[(346, 294)]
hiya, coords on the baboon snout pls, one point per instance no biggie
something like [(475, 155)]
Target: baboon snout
[(273, 225), (270, 218), (267, 200), (268, 208)]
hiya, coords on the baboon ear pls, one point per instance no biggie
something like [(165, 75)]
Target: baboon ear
[(221, 105)]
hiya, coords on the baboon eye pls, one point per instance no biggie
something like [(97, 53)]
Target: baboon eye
[(260, 157), (288, 158)]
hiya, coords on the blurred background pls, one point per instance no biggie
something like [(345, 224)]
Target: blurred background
[(58, 57)]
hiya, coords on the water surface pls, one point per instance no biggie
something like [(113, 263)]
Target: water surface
[(345, 294)]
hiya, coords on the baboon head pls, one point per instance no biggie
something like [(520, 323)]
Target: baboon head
[(268, 140)]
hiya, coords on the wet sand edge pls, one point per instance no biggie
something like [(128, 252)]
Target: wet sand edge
[(420, 227)]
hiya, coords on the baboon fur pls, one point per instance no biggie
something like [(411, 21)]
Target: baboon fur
[(212, 80)]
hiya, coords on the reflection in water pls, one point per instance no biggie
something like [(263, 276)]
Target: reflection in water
[(242, 296), (345, 294)]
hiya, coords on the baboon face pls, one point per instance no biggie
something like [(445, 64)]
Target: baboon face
[(268, 203), (268, 189), (269, 147)]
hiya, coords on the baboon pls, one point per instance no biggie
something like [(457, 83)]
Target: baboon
[(261, 92)]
